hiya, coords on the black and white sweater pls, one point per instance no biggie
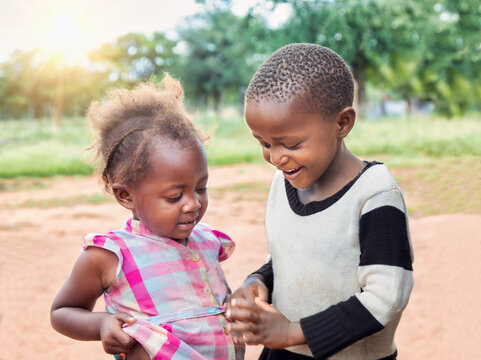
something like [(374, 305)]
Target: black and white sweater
[(341, 266)]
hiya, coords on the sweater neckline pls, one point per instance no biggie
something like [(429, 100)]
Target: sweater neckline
[(316, 206)]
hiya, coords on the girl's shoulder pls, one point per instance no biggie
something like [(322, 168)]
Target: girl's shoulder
[(211, 238)]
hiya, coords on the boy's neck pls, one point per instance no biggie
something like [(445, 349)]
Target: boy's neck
[(345, 167)]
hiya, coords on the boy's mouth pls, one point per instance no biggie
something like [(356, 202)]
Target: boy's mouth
[(291, 171), (291, 174)]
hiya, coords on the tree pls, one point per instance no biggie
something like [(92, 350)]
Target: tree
[(366, 34), (218, 45), (136, 56), (451, 62)]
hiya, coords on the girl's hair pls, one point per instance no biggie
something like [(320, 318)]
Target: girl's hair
[(126, 123)]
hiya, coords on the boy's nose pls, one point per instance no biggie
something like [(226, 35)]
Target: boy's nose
[(277, 157)]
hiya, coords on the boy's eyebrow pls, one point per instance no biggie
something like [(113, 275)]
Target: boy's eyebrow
[(277, 138)]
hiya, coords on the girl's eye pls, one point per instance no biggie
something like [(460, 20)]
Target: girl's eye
[(202, 190), (174, 198), (265, 145)]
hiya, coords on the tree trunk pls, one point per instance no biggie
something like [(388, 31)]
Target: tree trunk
[(217, 99), (359, 92), (58, 112)]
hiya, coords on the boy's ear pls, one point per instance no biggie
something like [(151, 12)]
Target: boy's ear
[(345, 121), (123, 195)]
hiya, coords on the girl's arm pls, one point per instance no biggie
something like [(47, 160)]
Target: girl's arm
[(71, 312)]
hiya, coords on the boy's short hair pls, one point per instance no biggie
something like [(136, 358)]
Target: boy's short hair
[(312, 72)]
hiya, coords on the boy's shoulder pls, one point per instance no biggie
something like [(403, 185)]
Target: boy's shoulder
[(377, 178)]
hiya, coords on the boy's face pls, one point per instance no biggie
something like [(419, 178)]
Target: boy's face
[(172, 198), (296, 141)]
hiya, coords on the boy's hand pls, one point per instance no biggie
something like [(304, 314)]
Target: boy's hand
[(252, 287), (260, 323), (114, 339)]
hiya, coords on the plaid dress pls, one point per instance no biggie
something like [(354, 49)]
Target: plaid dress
[(176, 292)]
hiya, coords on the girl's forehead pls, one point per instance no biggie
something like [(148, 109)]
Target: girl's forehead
[(172, 154)]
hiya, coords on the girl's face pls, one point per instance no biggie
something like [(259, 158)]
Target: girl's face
[(172, 198), (299, 143)]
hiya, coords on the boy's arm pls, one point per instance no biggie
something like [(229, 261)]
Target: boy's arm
[(71, 312), (385, 278), (267, 274)]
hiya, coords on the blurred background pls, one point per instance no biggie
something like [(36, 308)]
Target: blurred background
[(416, 64)]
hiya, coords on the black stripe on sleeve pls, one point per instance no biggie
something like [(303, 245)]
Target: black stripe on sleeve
[(384, 238), (337, 327), (267, 271)]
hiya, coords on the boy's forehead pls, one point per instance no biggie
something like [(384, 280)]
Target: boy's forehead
[(296, 105)]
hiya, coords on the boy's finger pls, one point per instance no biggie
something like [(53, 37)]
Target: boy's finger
[(245, 304), (263, 304), (262, 293), (242, 327), (251, 339), (242, 314)]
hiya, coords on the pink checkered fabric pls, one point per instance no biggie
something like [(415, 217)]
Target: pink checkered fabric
[(176, 292)]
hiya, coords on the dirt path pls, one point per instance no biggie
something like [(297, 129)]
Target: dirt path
[(41, 235)]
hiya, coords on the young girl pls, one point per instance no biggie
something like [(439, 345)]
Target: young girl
[(163, 286), (340, 273)]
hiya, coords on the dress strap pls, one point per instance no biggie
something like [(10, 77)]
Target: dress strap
[(190, 314)]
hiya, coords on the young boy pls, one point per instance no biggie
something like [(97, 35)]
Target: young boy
[(340, 272)]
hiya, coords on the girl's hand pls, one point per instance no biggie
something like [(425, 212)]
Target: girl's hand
[(114, 339), (260, 323)]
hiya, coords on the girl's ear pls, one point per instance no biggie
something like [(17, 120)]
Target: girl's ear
[(345, 121), (123, 195)]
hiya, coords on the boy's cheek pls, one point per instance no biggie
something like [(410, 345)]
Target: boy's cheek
[(266, 155)]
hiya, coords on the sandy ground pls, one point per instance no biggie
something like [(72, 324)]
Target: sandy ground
[(41, 234)]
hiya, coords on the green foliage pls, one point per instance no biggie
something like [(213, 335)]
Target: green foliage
[(136, 56), (216, 44)]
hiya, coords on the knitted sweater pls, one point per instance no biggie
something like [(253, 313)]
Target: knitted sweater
[(342, 266)]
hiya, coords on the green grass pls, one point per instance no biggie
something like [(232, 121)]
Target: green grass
[(417, 141), (66, 201), (34, 149)]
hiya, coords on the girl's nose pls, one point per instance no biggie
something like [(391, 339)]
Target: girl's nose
[(192, 204)]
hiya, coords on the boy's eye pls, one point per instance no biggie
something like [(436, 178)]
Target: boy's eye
[(202, 190), (265, 145), (174, 198), (292, 147)]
